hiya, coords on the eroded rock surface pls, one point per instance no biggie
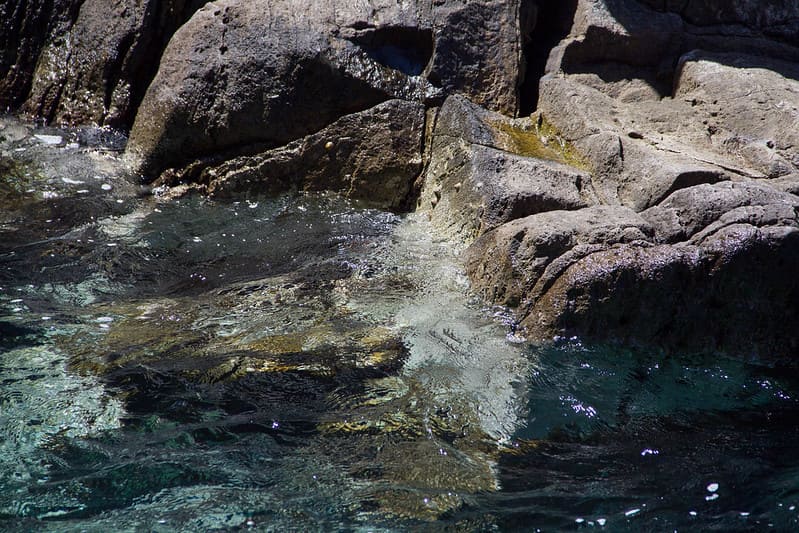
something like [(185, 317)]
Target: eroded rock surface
[(686, 116), (487, 169), (724, 282), (373, 155)]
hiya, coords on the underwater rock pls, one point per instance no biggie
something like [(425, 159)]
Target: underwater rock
[(198, 337)]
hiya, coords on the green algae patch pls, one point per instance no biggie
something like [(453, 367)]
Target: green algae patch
[(540, 139)]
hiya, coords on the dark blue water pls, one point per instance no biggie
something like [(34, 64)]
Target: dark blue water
[(307, 364)]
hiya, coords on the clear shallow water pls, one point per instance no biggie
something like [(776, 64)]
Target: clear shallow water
[(303, 363)]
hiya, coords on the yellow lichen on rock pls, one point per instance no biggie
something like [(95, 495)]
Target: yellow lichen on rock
[(539, 138)]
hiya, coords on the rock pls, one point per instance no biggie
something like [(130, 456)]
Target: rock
[(616, 31), (622, 39), (487, 169), (688, 211), (640, 153), (25, 27), (95, 67), (678, 125), (245, 77), (789, 184), (657, 116), (479, 50), (734, 291), (513, 264), (226, 83), (724, 283), (374, 155), (778, 19), (707, 263), (750, 105)]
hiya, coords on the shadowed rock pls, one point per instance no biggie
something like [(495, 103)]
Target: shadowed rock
[(25, 28), (373, 155), (93, 60)]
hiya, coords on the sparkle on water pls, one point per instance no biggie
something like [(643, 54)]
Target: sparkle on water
[(304, 363)]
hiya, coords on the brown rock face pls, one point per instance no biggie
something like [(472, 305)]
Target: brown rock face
[(516, 263), (87, 62), (373, 155), (246, 76)]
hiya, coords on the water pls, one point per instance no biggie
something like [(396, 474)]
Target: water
[(304, 363)]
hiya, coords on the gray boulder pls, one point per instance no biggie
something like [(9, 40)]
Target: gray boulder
[(244, 77), (750, 106), (627, 39), (698, 145), (480, 50), (658, 104), (374, 155), (688, 211), (486, 169), (725, 282), (515, 263), (735, 291), (639, 152)]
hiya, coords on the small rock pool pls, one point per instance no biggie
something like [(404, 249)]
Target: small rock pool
[(304, 363)]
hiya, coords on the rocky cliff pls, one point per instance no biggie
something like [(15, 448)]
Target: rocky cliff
[(619, 169)]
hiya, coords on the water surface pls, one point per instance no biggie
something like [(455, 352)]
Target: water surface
[(307, 363)]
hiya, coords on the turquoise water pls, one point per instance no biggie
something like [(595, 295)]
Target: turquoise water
[(304, 363)]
